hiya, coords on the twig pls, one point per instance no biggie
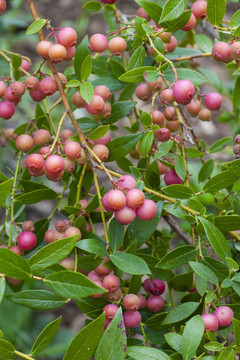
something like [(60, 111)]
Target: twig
[(174, 225)]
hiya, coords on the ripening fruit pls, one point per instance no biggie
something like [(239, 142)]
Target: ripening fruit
[(205, 115), (48, 86), (17, 250), (132, 319), (95, 106), (69, 165), (17, 88), (199, 9), (27, 240), (61, 225), (67, 37), (110, 311), (157, 117), (37, 95), (111, 283), (43, 48), (105, 205), (9, 134), (135, 198), (84, 203), (237, 139), (224, 315), (115, 200), (143, 301), (101, 151), (42, 137), (131, 302), (164, 134), (125, 215), (155, 85), (108, 1), (102, 91), (146, 284), (156, 287), (49, 236), (66, 134), (68, 263), (3, 6), (7, 109), (93, 276), (12, 98), (171, 178), (24, 143), (183, 91), (71, 51), (236, 150), (221, 51), (35, 163), (155, 303), (72, 150), (194, 106), (143, 92), (95, 296), (28, 225), (143, 14), (25, 65), (126, 182), (117, 45), (213, 101), (104, 140), (167, 96), (102, 270), (98, 43), (190, 24), (210, 322), (54, 164), (3, 88), (170, 113), (72, 231), (235, 50), (31, 83), (57, 53), (147, 211), (106, 112), (172, 45), (45, 151), (162, 168)]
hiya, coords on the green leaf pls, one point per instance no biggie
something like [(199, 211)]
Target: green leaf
[(13, 265), (37, 299), (219, 144), (220, 269), (91, 307), (137, 58), (122, 145), (204, 272), (146, 119), (135, 75), (5, 189), (87, 91), (180, 167), (73, 84), (206, 170), (138, 22), (146, 143), (227, 354), (227, 222), (236, 329), (191, 337), (92, 246), (72, 285), (213, 346), (113, 344), (52, 253), (235, 20), (85, 342), (93, 6), (177, 257), (119, 110), (36, 196), (180, 312), (99, 132), (203, 42), (235, 95), (116, 234), (152, 9), (192, 153), (46, 336), (6, 350), (163, 149), (178, 23), (2, 288), (82, 51), (129, 263), (215, 11), (35, 26), (173, 9), (178, 191), (86, 68), (16, 61), (221, 181), (146, 353), (194, 76), (87, 124), (174, 340)]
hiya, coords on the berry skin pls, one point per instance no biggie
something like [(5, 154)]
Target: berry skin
[(210, 322), (31, 83), (57, 53), (237, 139), (35, 163), (170, 113), (66, 134), (131, 302), (162, 168), (105, 204), (70, 53), (71, 231), (205, 115), (156, 287), (72, 150), (98, 43), (61, 225), (67, 37), (132, 319), (117, 45), (143, 301), (110, 311), (37, 95), (147, 211), (17, 88), (3, 88), (190, 24), (27, 240), (157, 117), (236, 150), (146, 284), (24, 143), (26, 65), (224, 315), (7, 110), (102, 91), (68, 263), (49, 236), (48, 86), (108, 1), (54, 164), (3, 6), (111, 283), (235, 50), (28, 226), (101, 151), (183, 91), (142, 13), (143, 92), (99, 283), (17, 250), (69, 165), (155, 85), (115, 200), (125, 215), (95, 106), (164, 134), (9, 96), (42, 137), (213, 101), (194, 106), (172, 45), (171, 178), (43, 48), (93, 276), (155, 303), (126, 182), (199, 9), (167, 96), (102, 270), (106, 112), (135, 198), (103, 140), (221, 51)]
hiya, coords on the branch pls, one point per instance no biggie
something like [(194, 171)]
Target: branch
[(175, 226)]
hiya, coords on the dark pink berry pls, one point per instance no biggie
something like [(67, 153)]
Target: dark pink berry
[(110, 311), (125, 215), (143, 92), (67, 37), (171, 178), (183, 91), (224, 315), (131, 302), (27, 240), (7, 110), (48, 86), (111, 283), (17, 250), (155, 303), (156, 287), (221, 51), (72, 150), (164, 134), (126, 182), (199, 9), (116, 200), (102, 270), (147, 211), (98, 43), (146, 284), (213, 101), (210, 322), (95, 106), (54, 164), (190, 24), (132, 319)]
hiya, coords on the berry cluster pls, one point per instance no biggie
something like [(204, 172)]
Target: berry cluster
[(222, 317)]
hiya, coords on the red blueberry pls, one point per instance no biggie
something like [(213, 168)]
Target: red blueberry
[(146, 284), (132, 319), (221, 51), (105, 204), (194, 106), (162, 168), (131, 302), (172, 45), (157, 117), (210, 322), (143, 92), (17, 250), (72, 231), (183, 91), (205, 115), (72, 150), (68, 263), (49, 236), (67, 37), (66, 134), (143, 301), (3, 6), (7, 109), (142, 13), (164, 134), (125, 215), (25, 65), (95, 106), (101, 151), (3, 88), (116, 200), (35, 163), (71, 51), (27, 240), (31, 83), (102, 91), (213, 101), (37, 95), (156, 287), (199, 9), (190, 24), (171, 178), (224, 315), (43, 48), (155, 303), (111, 283), (42, 137), (147, 211), (110, 311), (48, 86), (102, 270), (54, 164), (57, 53), (28, 225), (167, 96), (117, 45), (24, 142), (104, 140), (126, 182), (93, 276), (98, 43), (155, 85), (135, 198)]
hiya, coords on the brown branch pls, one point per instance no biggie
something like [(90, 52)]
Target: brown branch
[(191, 57), (174, 225)]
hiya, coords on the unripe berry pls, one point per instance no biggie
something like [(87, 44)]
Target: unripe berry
[(43, 48), (45, 151), (37, 95), (62, 78), (49, 236), (213, 101), (111, 283), (194, 106), (72, 150), (105, 204), (135, 198), (68, 263), (146, 284), (78, 101), (190, 24), (115, 296), (183, 91), (24, 142), (17, 250), (116, 200), (157, 117), (236, 150), (156, 287), (126, 182), (27, 240), (54, 164), (172, 45), (237, 139), (221, 51), (131, 302), (210, 322), (162, 168), (155, 303), (103, 91), (170, 113), (224, 315), (104, 140), (28, 225), (117, 45), (147, 211), (3, 6), (54, 176), (143, 92), (67, 37), (102, 270), (205, 115), (143, 301), (3, 88), (48, 86), (84, 203), (9, 134), (26, 65), (164, 134), (9, 96), (98, 43), (132, 319), (101, 151), (61, 225), (69, 165), (35, 163), (142, 13), (110, 311), (171, 178), (17, 88), (106, 112), (59, 235), (235, 50), (72, 231), (71, 51), (167, 96), (66, 134), (93, 276), (57, 53), (7, 109), (31, 83), (42, 137), (155, 85), (96, 105), (199, 9), (125, 215)]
